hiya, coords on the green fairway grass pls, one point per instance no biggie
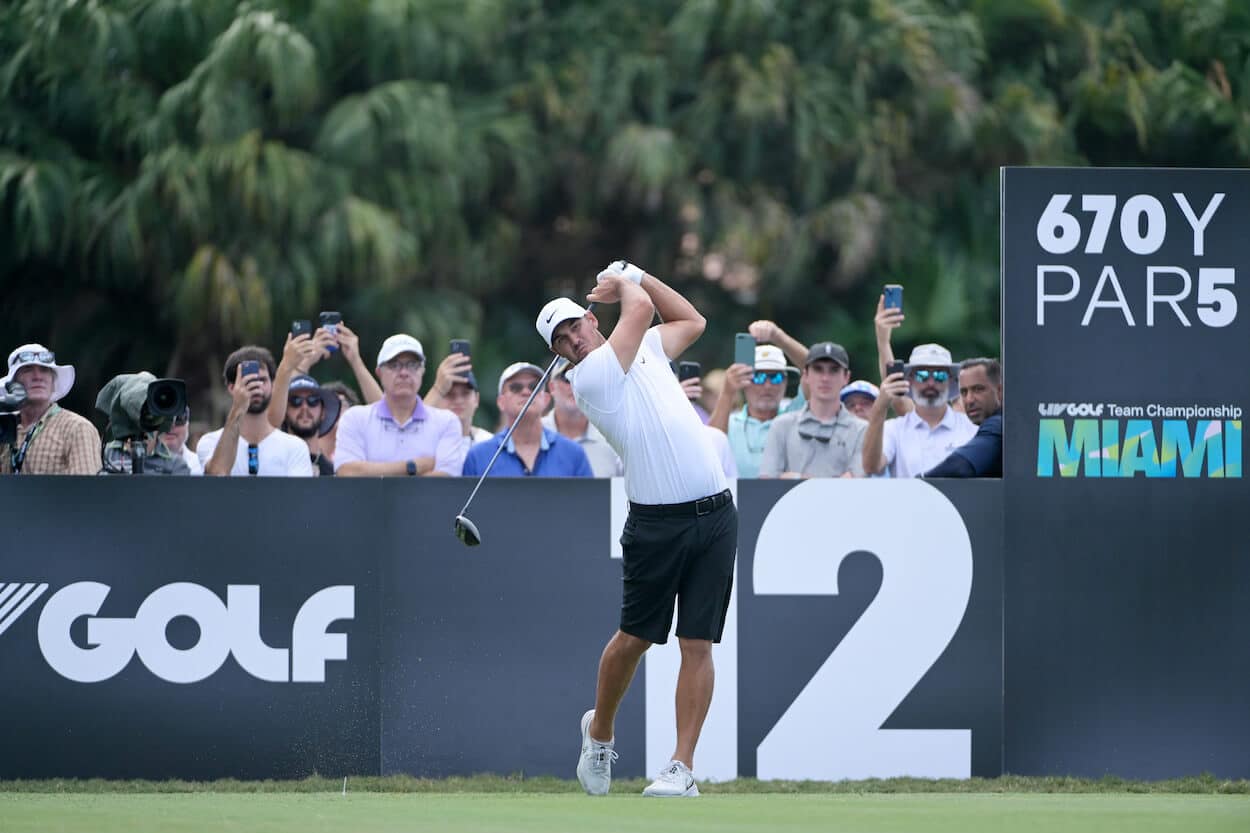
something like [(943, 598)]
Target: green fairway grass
[(561, 812)]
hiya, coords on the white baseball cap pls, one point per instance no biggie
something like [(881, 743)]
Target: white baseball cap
[(37, 354), (770, 357), (930, 355), (555, 313), (515, 368), (399, 343)]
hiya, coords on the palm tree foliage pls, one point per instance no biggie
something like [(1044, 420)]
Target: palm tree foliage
[(178, 177)]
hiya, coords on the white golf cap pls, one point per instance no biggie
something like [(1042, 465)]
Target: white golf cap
[(770, 357), (515, 368), (399, 343), (554, 314), (930, 355)]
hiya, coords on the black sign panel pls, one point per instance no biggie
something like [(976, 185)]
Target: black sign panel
[(1127, 589), (1125, 318), (179, 586)]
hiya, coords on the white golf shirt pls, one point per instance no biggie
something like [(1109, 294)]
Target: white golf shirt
[(645, 416)]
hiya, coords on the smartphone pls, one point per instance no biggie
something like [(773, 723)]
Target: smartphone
[(330, 323), (301, 327), (896, 366), (461, 345), (689, 370), (249, 368), (744, 349), (894, 296)]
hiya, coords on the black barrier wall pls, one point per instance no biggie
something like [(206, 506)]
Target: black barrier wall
[(208, 636), (1127, 576)]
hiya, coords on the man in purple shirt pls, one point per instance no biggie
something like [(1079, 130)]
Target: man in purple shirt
[(399, 435)]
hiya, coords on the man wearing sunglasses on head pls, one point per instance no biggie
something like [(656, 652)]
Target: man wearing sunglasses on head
[(909, 445), (823, 439), (533, 450), (49, 439), (311, 411)]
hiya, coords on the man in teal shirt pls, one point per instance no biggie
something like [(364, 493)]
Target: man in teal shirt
[(764, 387)]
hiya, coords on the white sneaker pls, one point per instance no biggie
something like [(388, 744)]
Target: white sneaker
[(594, 767), (675, 781)]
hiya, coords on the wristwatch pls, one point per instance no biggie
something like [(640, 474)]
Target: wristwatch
[(412, 468)]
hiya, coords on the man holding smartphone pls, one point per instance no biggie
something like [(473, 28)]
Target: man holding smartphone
[(681, 536), (247, 444)]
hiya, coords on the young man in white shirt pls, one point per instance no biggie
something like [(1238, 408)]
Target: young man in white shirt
[(248, 444), (680, 539)]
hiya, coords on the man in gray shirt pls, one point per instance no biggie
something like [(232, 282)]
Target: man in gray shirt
[(824, 439)]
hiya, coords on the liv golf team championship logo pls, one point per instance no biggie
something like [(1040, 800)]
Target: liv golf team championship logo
[(1156, 440)]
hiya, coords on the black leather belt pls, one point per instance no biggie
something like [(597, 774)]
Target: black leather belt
[(702, 506)]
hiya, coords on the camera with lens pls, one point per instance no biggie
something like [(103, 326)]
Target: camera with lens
[(12, 397), (139, 407)]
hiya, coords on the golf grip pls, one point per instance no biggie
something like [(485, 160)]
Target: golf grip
[(504, 442)]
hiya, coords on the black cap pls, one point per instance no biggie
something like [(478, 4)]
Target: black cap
[(828, 350)]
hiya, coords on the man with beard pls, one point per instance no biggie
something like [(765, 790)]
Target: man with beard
[(311, 411), (248, 444), (912, 444), (981, 388)]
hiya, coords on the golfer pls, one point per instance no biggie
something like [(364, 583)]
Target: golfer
[(681, 536)]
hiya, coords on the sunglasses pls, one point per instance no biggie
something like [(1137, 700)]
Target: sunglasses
[(397, 365), (938, 375), (521, 387), (46, 356), (312, 399), (761, 376), (182, 419)]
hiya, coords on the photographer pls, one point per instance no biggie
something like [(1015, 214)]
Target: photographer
[(139, 408), (48, 438), (248, 444)]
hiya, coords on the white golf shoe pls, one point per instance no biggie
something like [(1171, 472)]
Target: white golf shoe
[(675, 781), (594, 767)]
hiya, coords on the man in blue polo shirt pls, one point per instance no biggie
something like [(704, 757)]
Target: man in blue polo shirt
[(981, 388), (532, 450)]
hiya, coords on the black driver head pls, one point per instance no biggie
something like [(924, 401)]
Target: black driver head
[(467, 532)]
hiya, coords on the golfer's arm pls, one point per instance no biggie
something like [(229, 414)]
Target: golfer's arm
[(682, 322), (636, 314)]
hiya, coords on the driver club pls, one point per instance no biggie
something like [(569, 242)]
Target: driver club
[(466, 530)]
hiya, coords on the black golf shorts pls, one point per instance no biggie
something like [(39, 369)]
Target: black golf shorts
[(681, 552)]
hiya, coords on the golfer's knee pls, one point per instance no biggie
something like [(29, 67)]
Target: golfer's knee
[(695, 650), (629, 644)]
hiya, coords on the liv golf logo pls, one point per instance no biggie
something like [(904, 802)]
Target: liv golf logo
[(229, 628), (1083, 439)]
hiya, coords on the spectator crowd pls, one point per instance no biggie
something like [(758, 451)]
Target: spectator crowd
[(797, 411)]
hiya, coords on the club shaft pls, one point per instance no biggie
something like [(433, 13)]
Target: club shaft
[(504, 442)]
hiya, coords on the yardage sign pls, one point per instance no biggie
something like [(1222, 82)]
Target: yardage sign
[(1125, 321)]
